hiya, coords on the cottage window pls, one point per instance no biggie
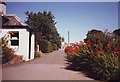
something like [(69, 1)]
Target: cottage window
[(14, 38)]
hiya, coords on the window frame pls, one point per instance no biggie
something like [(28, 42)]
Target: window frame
[(14, 38)]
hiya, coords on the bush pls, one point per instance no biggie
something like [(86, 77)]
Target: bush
[(55, 47), (50, 47), (46, 46), (38, 54), (117, 32), (101, 52), (107, 66), (9, 56), (16, 59)]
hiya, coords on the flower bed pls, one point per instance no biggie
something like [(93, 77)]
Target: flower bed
[(100, 51)]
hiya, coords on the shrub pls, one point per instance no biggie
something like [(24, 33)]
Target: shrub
[(38, 54), (46, 46), (50, 47), (105, 66), (101, 52), (55, 47), (7, 54), (117, 32), (16, 59)]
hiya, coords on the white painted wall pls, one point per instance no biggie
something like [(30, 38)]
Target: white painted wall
[(24, 43), (32, 46), (62, 45), (23, 48)]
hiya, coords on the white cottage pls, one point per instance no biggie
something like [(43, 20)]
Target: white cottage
[(22, 40)]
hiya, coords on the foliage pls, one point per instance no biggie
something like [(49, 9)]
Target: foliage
[(101, 52), (46, 46), (55, 47), (117, 32), (8, 54), (16, 59), (38, 54), (43, 24)]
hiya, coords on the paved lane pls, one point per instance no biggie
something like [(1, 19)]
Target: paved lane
[(51, 66)]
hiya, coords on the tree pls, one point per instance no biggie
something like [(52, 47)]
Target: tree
[(92, 32), (43, 24), (117, 32)]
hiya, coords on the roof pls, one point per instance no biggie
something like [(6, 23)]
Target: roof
[(13, 21), (2, 3)]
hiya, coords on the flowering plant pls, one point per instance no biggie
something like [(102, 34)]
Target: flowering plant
[(101, 51)]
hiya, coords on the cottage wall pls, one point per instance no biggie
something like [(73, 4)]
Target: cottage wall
[(32, 46), (23, 48)]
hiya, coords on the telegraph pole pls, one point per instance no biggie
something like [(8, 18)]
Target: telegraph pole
[(68, 38)]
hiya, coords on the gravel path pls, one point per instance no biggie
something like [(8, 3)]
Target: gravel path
[(50, 66)]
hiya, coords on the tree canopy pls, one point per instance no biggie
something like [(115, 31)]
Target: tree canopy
[(117, 32), (43, 25)]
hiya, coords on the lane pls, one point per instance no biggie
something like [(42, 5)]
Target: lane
[(56, 57), (51, 66)]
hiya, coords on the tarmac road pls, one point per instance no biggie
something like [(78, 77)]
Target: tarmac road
[(51, 66)]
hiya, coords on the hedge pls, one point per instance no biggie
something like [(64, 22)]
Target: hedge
[(46, 46)]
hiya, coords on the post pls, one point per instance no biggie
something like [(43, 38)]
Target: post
[(68, 38), (37, 49)]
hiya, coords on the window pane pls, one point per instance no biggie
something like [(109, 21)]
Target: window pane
[(14, 42), (15, 34)]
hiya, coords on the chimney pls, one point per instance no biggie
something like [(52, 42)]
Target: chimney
[(2, 7)]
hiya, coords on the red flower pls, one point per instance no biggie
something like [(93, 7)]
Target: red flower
[(89, 42), (109, 41), (76, 49), (101, 45), (100, 52), (92, 53), (96, 37), (82, 43), (76, 44), (117, 50), (96, 45), (69, 50)]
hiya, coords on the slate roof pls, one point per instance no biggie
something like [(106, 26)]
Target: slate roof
[(13, 21)]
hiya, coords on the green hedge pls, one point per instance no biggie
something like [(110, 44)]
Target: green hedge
[(46, 46)]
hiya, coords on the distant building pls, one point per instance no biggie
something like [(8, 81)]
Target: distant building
[(63, 43)]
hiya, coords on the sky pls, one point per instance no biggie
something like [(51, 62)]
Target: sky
[(76, 17)]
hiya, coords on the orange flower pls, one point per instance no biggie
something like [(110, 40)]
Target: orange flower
[(100, 52), (76, 49), (69, 50)]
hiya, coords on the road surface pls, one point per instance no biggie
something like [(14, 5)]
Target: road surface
[(51, 66)]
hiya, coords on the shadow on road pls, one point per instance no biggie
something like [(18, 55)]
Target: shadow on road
[(82, 68)]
